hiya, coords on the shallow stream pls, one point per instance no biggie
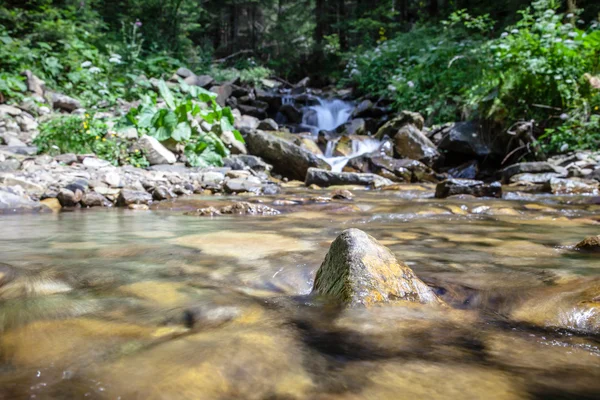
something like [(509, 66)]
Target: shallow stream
[(119, 304)]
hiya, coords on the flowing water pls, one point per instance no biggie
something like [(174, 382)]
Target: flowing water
[(117, 304)]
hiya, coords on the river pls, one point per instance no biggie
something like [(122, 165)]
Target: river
[(120, 304)]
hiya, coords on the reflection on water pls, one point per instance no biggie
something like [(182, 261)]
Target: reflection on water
[(158, 305)]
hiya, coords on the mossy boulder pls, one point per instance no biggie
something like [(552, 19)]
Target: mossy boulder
[(359, 271)]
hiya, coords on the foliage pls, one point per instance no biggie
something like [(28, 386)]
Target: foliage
[(85, 135), (178, 123), (426, 69)]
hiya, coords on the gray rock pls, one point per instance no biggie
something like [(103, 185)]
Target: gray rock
[(241, 185), (409, 142), (128, 197), (453, 187), (354, 127), (94, 199), (30, 187), (291, 113), (68, 198), (34, 84), (287, 158), (184, 73), (246, 123), (13, 203), (161, 193), (10, 165), (233, 144), (155, 152), (526, 168), (203, 81), (359, 271), (223, 93), (13, 141), (241, 162), (268, 125), (405, 118), (324, 178), (468, 170), (20, 150), (13, 111), (64, 102), (406, 170), (528, 179), (212, 178), (465, 139), (95, 163), (68, 158)]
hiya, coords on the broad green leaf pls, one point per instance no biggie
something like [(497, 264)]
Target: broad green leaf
[(158, 118), (166, 94), (238, 136), (161, 134), (170, 121), (226, 125), (182, 132), (145, 118)]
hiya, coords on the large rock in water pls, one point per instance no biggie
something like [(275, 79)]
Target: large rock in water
[(465, 139), (325, 178), (410, 142), (454, 187), (359, 271), (287, 158), (536, 167), (405, 118)]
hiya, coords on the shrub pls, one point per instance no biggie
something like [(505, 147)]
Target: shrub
[(177, 122), (85, 135)]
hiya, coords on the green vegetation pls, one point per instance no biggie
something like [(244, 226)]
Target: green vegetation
[(87, 135), (176, 123), (449, 60)]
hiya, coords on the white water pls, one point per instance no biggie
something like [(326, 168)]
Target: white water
[(327, 115), (359, 147)]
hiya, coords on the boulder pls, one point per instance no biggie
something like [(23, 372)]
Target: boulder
[(359, 271), (246, 123), (260, 113), (9, 110), (10, 165), (590, 244), (242, 185), (291, 113), (527, 168), (366, 109), (405, 170), (94, 199), (203, 81), (268, 125), (68, 158), (405, 118), (242, 162), (410, 142), (64, 102), (468, 170), (128, 197), (223, 93), (287, 158), (232, 143), (453, 187), (354, 127), (184, 73), (155, 152), (34, 84), (11, 203), (325, 178), (161, 193), (465, 139), (69, 198)]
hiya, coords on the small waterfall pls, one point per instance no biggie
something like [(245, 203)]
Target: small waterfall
[(327, 115), (359, 147)]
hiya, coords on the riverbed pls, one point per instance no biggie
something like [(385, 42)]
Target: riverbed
[(123, 304)]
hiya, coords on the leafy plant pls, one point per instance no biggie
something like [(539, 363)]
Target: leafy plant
[(178, 122), (84, 135)]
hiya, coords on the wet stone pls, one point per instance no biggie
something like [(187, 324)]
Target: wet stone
[(454, 187), (359, 271), (69, 198), (128, 197), (590, 244)]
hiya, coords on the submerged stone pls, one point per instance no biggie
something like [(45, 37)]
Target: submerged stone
[(590, 244), (359, 271), (324, 178), (454, 187)]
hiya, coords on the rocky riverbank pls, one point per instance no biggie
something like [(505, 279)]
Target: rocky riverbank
[(372, 147)]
